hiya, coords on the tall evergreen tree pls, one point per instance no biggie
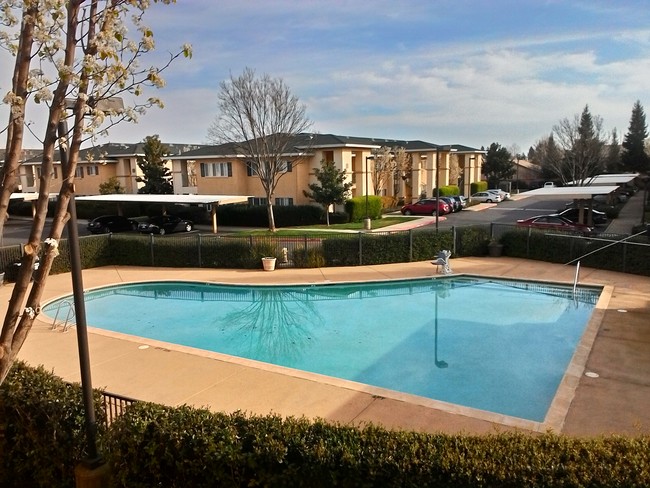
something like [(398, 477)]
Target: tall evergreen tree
[(155, 175), (613, 163), (332, 188), (634, 157), (498, 165)]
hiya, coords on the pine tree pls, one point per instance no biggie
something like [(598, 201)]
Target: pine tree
[(498, 165), (634, 157), (155, 175), (332, 188)]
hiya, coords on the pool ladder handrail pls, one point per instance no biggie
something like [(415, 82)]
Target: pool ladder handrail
[(575, 281), (69, 319)]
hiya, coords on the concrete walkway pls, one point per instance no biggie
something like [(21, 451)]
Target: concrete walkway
[(616, 347)]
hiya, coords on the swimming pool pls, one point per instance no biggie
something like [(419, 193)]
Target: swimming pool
[(495, 345)]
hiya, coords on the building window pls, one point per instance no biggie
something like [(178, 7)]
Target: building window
[(257, 201), (221, 170), (283, 167), (286, 166), (79, 172), (283, 201), (92, 170)]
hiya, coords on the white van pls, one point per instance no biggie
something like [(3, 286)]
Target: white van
[(549, 184)]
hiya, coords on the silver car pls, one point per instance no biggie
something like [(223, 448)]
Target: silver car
[(486, 197)]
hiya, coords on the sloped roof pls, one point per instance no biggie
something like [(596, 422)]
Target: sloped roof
[(110, 152), (319, 141)]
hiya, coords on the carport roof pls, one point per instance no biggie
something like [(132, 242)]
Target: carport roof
[(570, 191), (182, 199)]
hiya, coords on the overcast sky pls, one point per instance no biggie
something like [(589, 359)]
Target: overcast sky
[(447, 71)]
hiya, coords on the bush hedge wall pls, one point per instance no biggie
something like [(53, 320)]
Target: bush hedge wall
[(41, 439)]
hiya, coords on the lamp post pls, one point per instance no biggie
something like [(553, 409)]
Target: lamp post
[(94, 459), (367, 222)]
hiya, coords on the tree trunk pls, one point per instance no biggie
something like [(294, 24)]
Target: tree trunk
[(269, 210)]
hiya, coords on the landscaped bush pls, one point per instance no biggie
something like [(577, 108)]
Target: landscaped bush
[(477, 186), (42, 433), (360, 207), (153, 445), (448, 191), (311, 257)]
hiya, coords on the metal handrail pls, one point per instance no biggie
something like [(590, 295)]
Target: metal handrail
[(69, 317)]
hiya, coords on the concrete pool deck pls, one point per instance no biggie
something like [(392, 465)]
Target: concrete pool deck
[(616, 401)]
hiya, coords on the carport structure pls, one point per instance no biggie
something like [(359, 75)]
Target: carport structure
[(582, 196), (213, 200)]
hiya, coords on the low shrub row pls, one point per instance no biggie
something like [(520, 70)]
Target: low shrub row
[(41, 440)]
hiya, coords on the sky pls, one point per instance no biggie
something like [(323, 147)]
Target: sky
[(441, 71)]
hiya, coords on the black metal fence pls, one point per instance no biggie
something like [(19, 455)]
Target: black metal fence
[(115, 405), (323, 249)]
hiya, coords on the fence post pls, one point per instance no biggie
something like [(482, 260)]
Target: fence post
[(153, 261), (360, 250), (199, 251), (624, 256), (453, 240)]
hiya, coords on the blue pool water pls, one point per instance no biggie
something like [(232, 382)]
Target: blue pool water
[(501, 346)]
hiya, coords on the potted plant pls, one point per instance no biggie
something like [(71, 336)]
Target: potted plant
[(495, 248), (268, 263)]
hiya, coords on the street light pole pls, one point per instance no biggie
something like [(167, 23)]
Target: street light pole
[(80, 310), (367, 222), (437, 185), (94, 459)]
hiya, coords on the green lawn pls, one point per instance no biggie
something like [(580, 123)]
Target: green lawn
[(300, 231)]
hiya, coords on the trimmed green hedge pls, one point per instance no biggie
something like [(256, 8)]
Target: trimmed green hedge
[(153, 445), (42, 439), (42, 433)]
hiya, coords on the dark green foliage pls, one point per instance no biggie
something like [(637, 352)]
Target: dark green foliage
[(8, 256), (356, 207), (448, 191), (428, 243), (257, 216), (341, 250), (634, 157), (157, 446), (157, 178), (478, 186), (331, 188), (310, 257), (472, 241), (498, 165), (42, 433)]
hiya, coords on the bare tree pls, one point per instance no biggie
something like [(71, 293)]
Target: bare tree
[(265, 124), (403, 170), (582, 141), (85, 44), (383, 168)]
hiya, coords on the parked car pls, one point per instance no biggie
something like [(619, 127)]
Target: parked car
[(427, 206), (454, 206), (504, 194), (554, 222), (111, 223), (462, 201), (549, 184), (165, 224), (485, 197), (597, 217)]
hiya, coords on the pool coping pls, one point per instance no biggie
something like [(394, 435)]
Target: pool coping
[(556, 416)]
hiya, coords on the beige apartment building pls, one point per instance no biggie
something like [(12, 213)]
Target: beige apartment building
[(219, 170)]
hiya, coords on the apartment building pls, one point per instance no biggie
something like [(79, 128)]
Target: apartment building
[(220, 170)]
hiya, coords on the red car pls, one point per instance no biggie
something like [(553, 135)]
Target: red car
[(554, 222), (427, 206)]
